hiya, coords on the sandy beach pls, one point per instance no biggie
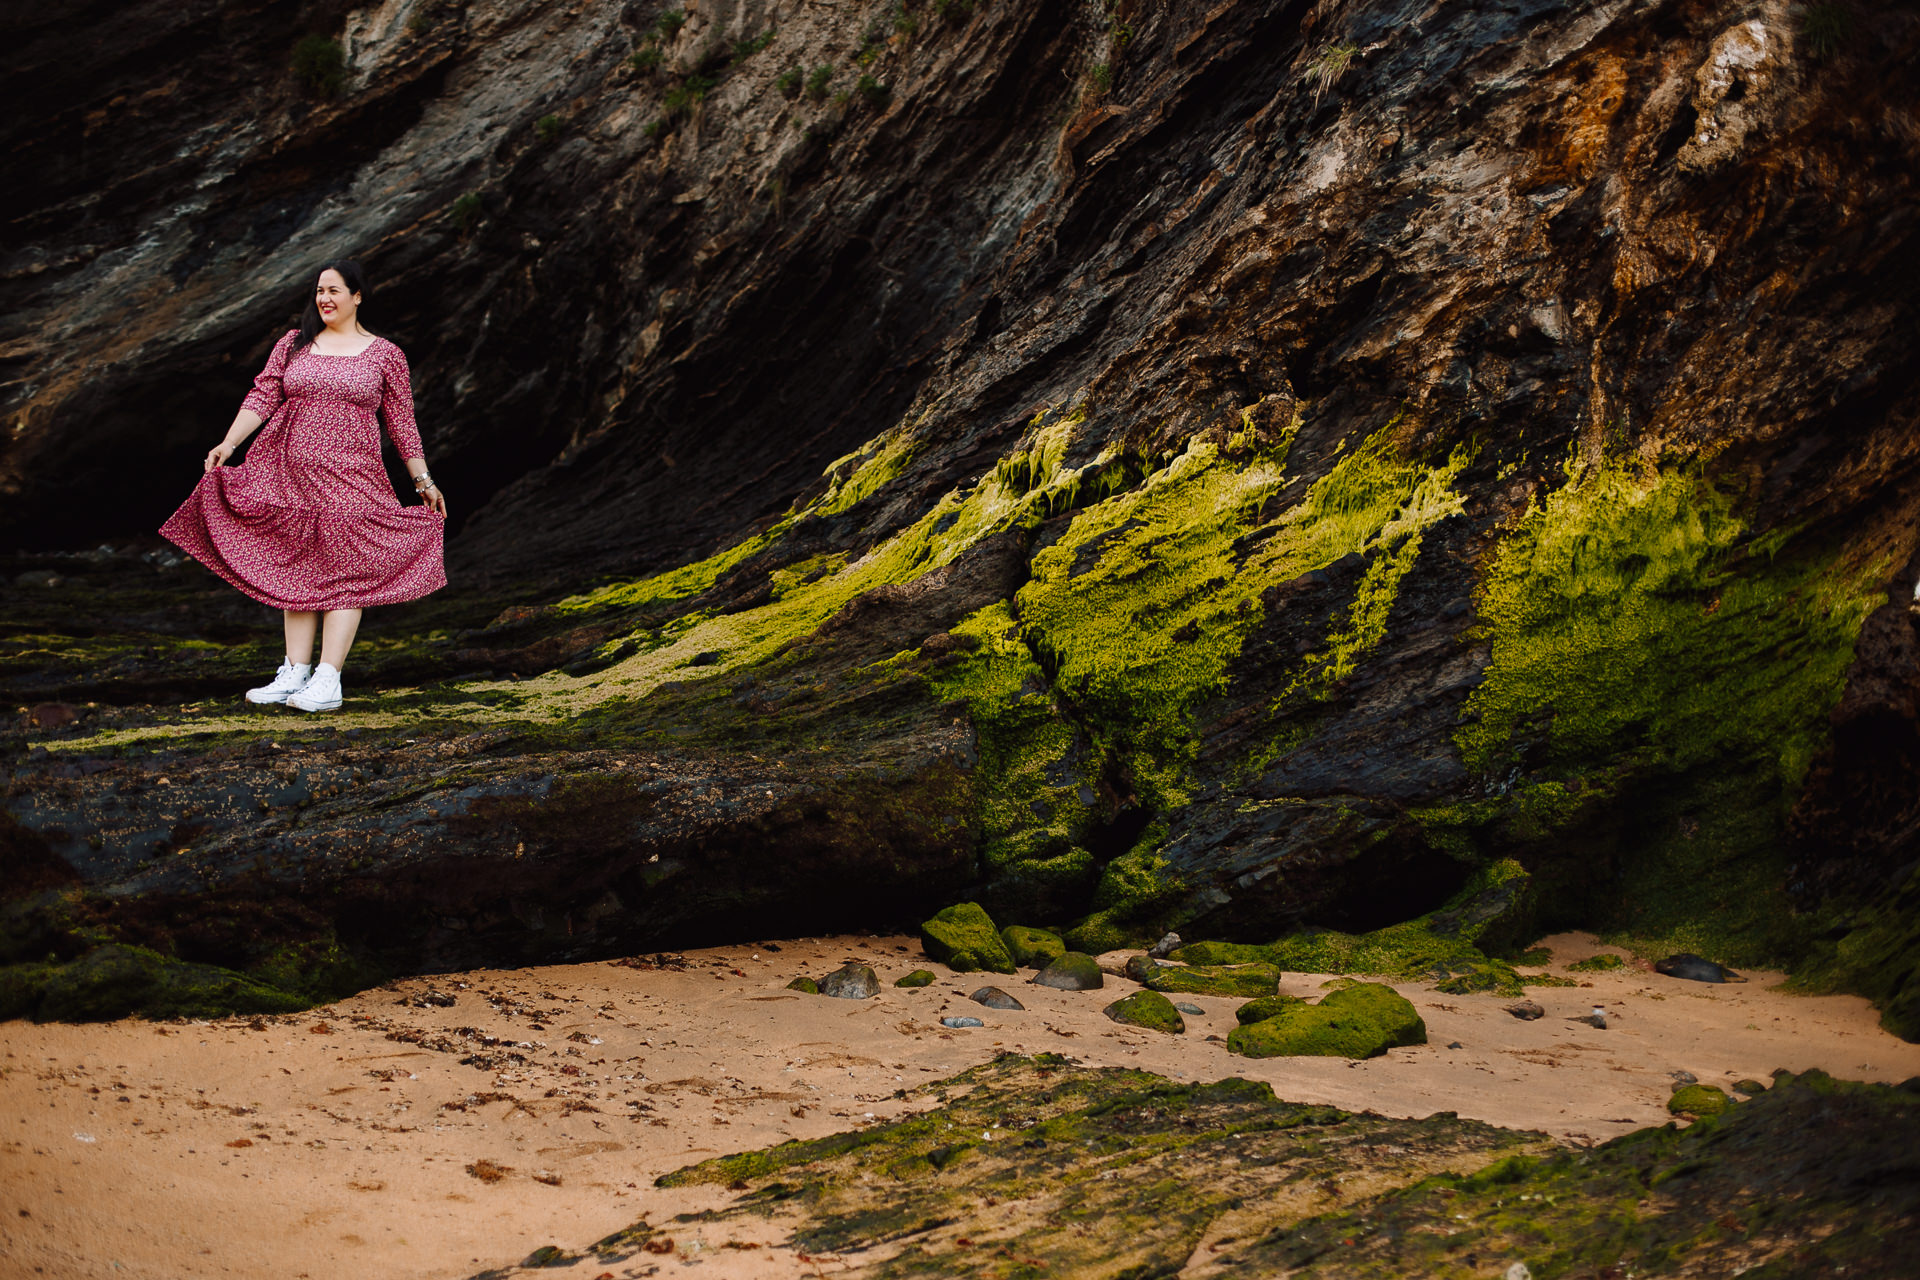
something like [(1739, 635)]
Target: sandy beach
[(441, 1126)]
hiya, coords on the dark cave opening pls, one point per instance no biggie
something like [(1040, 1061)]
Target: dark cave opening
[(1392, 882)]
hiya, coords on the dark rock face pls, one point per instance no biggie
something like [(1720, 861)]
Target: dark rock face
[(1237, 469)]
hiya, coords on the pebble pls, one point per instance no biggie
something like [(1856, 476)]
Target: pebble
[(961, 1022), (1526, 1010), (1184, 1007), (995, 998)]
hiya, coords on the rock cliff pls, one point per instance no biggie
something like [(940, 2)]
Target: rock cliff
[(1243, 468)]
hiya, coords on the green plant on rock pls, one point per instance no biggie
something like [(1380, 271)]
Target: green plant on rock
[(752, 45), (1826, 27), (320, 64), (647, 58), (548, 127), (818, 80), (465, 211), (1100, 79), (788, 82), (1328, 65), (954, 11), (668, 24), (872, 92)]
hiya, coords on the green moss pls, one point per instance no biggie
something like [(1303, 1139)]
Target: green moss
[(918, 978), (1872, 948), (114, 981), (1265, 1007), (1141, 605), (1444, 946), (1601, 963), (1223, 953), (1147, 1009), (1238, 980), (1660, 665), (1358, 1021), (1698, 1100), (805, 985), (963, 938), (1032, 948)]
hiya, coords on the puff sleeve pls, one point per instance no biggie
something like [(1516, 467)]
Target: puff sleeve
[(396, 403), (267, 394)]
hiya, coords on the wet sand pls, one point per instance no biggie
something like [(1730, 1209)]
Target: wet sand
[(345, 1142)]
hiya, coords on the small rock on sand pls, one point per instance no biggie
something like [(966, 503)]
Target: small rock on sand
[(1072, 971), (851, 982), (1191, 1009), (918, 978), (1526, 1010), (995, 998), (1693, 968), (958, 1023)]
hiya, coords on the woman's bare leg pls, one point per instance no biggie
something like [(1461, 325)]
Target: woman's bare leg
[(337, 630), (300, 625)]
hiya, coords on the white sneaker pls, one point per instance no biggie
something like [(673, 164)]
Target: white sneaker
[(288, 680), (322, 692)]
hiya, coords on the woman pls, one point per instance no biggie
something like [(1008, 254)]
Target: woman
[(309, 523)]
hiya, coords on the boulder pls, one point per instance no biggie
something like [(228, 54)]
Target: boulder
[(963, 938), (1147, 1009), (1698, 1100), (995, 998), (1360, 1021), (1072, 971), (851, 982), (1247, 981), (1032, 948), (1265, 1007)]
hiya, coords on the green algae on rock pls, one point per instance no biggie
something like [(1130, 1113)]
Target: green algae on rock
[(1358, 1021), (1698, 1100), (113, 981), (1245, 981), (918, 978), (963, 938), (804, 985), (1265, 1007), (1602, 963), (1147, 1009), (1032, 948)]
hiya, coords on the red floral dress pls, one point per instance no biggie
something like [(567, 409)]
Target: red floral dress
[(309, 520)]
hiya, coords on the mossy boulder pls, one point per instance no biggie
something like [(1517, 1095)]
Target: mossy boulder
[(918, 978), (1032, 948), (114, 981), (804, 984), (1265, 1007), (1698, 1100), (1222, 953), (1072, 971), (1752, 1088), (1147, 1009), (1458, 946), (1360, 1021), (1246, 981), (963, 938)]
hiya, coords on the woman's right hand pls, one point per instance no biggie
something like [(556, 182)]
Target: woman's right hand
[(217, 456)]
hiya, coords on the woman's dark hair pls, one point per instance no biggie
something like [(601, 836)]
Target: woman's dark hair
[(310, 322)]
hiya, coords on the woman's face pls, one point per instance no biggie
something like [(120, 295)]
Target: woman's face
[(338, 305)]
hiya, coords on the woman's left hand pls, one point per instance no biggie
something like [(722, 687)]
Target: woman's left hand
[(435, 500)]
